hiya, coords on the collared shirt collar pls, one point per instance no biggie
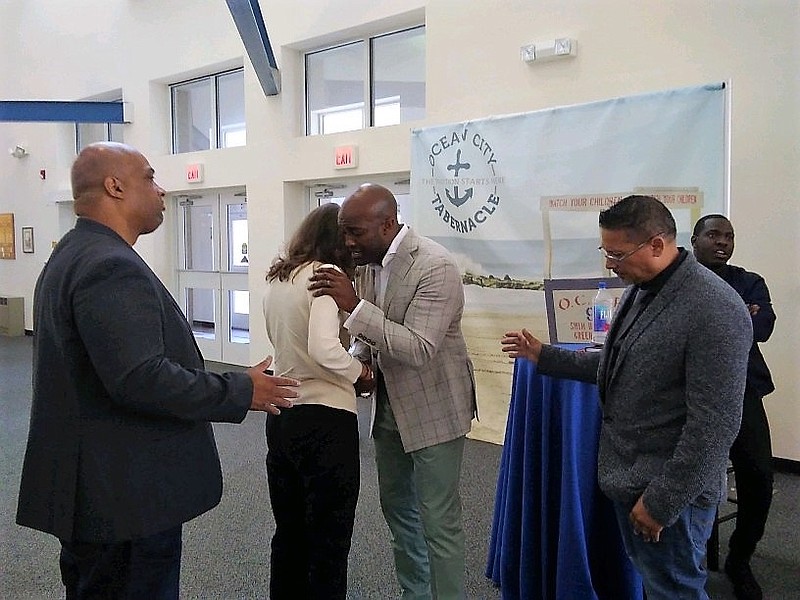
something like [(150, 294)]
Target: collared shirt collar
[(392, 250)]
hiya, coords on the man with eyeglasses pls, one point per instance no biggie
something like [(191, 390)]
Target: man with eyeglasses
[(671, 378), (751, 453)]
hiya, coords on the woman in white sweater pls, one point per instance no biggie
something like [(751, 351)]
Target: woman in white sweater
[(312, 449)]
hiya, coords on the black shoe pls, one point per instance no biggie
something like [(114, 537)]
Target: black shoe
[(745, 586)]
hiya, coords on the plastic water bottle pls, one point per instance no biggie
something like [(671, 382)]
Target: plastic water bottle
[(602, 312)]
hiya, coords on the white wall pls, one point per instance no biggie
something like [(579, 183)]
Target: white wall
[(474, 70)]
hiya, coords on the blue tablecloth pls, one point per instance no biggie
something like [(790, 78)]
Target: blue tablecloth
[(554, 534)]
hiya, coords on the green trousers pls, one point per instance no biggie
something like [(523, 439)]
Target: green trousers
[(419, 493)]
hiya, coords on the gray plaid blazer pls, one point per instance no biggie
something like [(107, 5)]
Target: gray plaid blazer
[(419, 344)]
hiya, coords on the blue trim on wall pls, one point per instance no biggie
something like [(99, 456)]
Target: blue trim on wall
[(55, 111), (250, 23)]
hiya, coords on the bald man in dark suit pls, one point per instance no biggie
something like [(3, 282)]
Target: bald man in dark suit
[(120, 450)]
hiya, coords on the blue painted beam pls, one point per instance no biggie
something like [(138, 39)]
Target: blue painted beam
[(55, 111), (250, 23)]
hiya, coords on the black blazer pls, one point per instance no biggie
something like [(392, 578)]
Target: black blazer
[(120, 444)]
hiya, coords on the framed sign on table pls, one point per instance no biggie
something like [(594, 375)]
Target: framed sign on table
[(569, 306)]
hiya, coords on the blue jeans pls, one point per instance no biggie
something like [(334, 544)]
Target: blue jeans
[(672, 568), (148, 567)]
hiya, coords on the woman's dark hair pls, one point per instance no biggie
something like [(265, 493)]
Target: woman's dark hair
[(316, 239)]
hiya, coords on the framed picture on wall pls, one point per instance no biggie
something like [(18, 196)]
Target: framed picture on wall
[(27, 240), (7, 236)]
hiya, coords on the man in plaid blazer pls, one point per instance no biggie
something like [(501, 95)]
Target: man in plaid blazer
[(408, 318)]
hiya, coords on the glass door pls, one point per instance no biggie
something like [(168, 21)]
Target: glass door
[(233, 280), (212, 273)]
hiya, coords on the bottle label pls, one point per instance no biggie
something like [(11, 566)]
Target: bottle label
[(601, 322), (602, 318)]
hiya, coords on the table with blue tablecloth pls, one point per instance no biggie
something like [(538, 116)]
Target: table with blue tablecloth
[(554, 534)]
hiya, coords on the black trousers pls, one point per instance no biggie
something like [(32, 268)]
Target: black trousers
[(313, 471), (751, 455), (147, 567)]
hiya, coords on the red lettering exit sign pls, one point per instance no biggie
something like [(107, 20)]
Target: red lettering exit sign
[(345, 157), (194, 173)]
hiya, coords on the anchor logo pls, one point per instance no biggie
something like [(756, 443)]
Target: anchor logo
[(465, 194), (456, 167)]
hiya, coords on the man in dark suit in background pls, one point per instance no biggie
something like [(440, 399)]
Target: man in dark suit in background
[(751, 453), (120, 449), (671, 377)]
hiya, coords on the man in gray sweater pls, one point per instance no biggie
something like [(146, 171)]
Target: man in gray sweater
[(671, 378)]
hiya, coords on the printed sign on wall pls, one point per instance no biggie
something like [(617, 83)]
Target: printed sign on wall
[(516, 199)]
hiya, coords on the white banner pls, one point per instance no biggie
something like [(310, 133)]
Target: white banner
[(516, 199)]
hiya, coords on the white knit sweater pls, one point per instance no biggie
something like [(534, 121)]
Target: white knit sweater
[(305, 332)]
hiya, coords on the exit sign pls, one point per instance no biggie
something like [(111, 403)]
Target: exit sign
[(194, 173), (345, 157)]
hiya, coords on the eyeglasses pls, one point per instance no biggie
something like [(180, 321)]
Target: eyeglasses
[(618, 258)]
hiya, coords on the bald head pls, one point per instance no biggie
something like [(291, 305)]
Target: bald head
[(368, 221), (114, 184), (375, 200), (94, 164)]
